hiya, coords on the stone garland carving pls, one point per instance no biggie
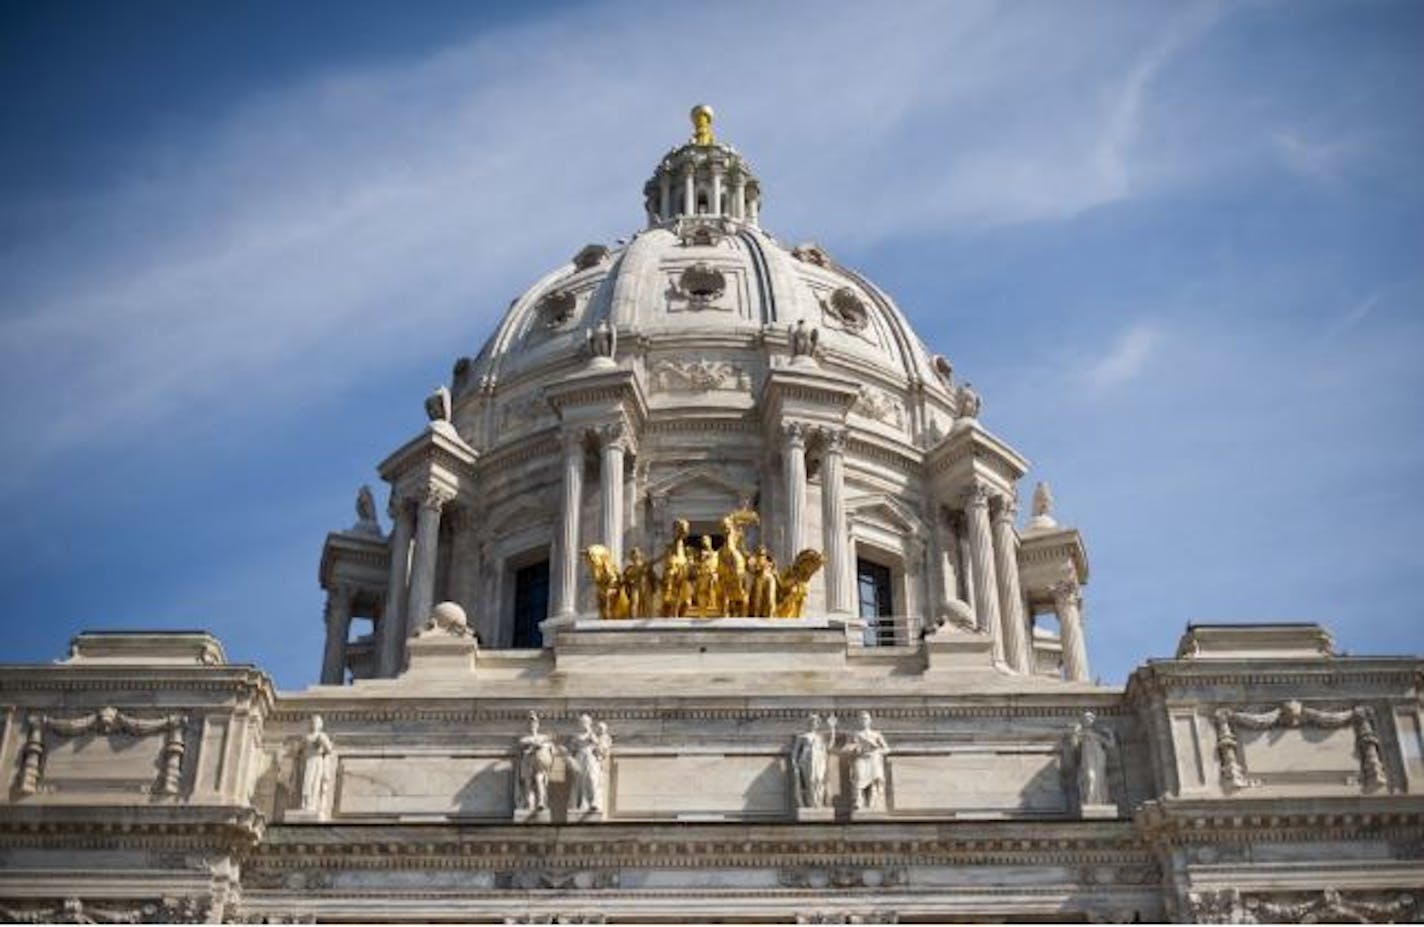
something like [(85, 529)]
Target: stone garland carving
[(166, 910), (844, 917), (107, 721), (699, 375), (880, 406), (699, 233), (1293, 714), (848, 309), (590, 256), (534, 760), (557, 879), (842, 877), (811, 253), (1231, 906), (809, 762), (318, 759)]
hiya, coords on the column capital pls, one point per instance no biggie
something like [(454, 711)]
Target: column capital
[(794, 434), (341, 593), (1006, 509), (1066, 592), (833, 439), (435, 498), (977, 496), (616, 435), (572, 440)]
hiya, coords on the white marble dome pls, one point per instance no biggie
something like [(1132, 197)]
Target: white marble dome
[(710, 287)]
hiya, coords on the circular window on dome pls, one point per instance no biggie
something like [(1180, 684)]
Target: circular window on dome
[(556, 309), (701, 284), (846, 307)]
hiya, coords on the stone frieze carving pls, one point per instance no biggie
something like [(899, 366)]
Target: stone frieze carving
[(848, 917), (166, 910), (296, 880), (880, 406), (522, 412), (557, 879), (107, 722), (699, 375), (1231, 906), (1292, 714), (842, 877)]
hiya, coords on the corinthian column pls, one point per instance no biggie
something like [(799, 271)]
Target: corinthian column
[(793, 469), (392, 632), (567, 602), (1006, 567), (615, 446), (833, 518), (338, 629), (1068, 601), (689, 194), (422, 559), (981, 556)]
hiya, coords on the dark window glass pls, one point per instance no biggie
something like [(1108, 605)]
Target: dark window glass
[(531, 604), (876, 604)]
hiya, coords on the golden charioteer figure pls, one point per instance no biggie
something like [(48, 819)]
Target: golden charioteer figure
[(705, 581)]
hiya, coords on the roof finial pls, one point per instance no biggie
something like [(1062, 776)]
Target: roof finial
[(702, 124)]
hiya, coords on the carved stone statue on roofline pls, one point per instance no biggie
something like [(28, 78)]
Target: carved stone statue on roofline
[(534, 759), (602, 343), (317, 757), (803, 339), (1087, 751)]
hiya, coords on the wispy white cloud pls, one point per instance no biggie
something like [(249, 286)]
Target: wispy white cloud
[(388, 214), (1311, 159), (1126, 359)]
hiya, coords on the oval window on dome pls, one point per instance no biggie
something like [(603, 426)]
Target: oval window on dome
[(556, 309), (701, 284), (846, 307)]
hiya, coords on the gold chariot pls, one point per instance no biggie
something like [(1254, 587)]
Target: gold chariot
[(703, 581)]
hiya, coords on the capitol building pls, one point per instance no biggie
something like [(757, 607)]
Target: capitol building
[(704, 593)]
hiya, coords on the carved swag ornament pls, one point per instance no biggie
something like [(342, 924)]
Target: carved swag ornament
[(1293, 714), (107, 722), (1329, 906)]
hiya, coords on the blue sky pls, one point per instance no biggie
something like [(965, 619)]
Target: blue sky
[(1176, 246)]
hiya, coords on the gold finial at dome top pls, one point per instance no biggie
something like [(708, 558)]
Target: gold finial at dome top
[(702, 124)]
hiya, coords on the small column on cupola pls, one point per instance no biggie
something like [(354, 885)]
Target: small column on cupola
[(1053, 568), (703, 179)]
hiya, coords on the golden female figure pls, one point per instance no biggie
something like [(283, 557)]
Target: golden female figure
[(704, 581), (638, 585), (761, 566)]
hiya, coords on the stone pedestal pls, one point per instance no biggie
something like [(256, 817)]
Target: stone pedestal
[(304, 816), (1098, 812), (437, 653), (542, 816), (701, 645), (955, 650), (817, 815)]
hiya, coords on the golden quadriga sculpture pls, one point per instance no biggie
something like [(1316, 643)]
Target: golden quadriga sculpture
[(702, 581)]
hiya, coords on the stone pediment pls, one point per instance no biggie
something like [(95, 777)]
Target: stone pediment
[(700, 482), (886, 512)]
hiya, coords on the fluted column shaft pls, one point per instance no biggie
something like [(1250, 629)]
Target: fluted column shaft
[(793, 466), (833, 518), (943, 575), (615, 447), (716, 205), (965, 565), (1068, 601), (739, 198), (392, 632), (981, 557), (1006, 568), (338, 630), (422, 559), (689, 194), (664, 197), (567, 602)]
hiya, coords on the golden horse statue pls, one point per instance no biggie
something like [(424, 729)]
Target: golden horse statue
[(793, 581), (676, 573), (607, 582), (732, 563)]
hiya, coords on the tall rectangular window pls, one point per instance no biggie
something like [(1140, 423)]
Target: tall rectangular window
[(876, 603), (531, 604)]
